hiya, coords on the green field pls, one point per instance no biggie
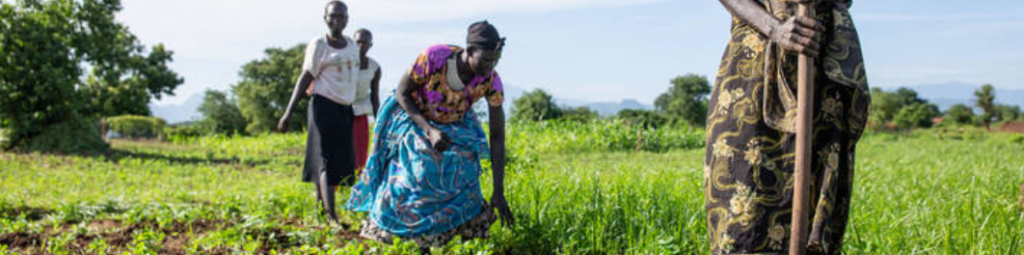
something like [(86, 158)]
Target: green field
[(575, 189)]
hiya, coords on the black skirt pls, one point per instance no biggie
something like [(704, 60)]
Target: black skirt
[(329, 145)]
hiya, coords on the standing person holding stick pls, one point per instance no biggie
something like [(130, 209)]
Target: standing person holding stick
[(753, 124)]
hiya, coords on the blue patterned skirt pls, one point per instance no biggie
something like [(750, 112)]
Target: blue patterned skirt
[(409, 189)]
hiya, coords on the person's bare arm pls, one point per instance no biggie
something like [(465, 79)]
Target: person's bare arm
[(497, 131), (435, 136), (300, 88), (375, 92), (797, 34)]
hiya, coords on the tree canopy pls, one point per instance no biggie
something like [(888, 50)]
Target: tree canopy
[(67, 60), (686, 100)]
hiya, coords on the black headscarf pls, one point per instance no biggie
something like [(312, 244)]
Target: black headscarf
[(483, 35)]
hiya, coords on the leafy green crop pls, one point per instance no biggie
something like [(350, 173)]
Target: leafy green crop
[(575, 188)]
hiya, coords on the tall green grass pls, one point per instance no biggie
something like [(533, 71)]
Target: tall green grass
[(560, 136), (576, 188)]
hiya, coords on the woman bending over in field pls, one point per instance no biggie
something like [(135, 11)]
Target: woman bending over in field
[(422, 181), (330, 70)]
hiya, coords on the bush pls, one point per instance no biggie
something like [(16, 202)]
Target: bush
[(918, 115), (183, 132), (536, 105), (959, 114), (642, 118), (686, 100), (579, 114), (77, 135), (221, 114), (136, 127)]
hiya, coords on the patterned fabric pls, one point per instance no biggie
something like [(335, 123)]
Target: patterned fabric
[(439, 101), (750, 158), (335, 71), (361, 140), (479, 227), (411, 190), (841, 60)]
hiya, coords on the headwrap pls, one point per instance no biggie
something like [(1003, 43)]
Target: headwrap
[(483, 35)]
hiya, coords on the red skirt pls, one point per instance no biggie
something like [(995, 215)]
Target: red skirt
[(361, 140)]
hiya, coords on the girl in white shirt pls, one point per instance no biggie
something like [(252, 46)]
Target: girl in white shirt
[(367, 99), (331, 67)]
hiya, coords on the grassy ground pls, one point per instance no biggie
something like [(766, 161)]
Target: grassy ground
[(915, 194)]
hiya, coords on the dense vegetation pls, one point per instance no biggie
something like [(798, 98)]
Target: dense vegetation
[(575, 188), (67, 63)]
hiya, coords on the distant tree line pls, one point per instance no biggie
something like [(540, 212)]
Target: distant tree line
[(902, 109), (685, 102)]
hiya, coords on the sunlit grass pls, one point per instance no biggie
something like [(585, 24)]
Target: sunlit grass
[(915, 193)]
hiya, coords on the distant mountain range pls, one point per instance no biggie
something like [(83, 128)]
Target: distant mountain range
[(944, 95), (181, 112)]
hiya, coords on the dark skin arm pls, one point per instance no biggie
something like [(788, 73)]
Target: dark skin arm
[(442, 143), (434, 135), (300, 89), (797, 34), (375, 92), (497, 131)]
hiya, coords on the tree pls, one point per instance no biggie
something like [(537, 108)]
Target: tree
[(960, 114), (536, 105), (127, 89), (985, 100), (221, 114), (918, 115), (580, 114), (45, 46), (644, 118), (266, 86), (1007, 112), (884, 106), (908, 97), (686, 100)]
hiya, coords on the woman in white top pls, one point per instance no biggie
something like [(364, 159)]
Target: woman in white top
[(367, 100), (331, 67)]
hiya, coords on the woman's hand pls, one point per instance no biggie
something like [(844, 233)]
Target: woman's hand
[(798, 34), (438, 140), (282, 125), (501, 207)]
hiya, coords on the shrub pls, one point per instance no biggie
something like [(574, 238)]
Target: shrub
[(77, 135), (916, 115), (183, 132), (135, 127)]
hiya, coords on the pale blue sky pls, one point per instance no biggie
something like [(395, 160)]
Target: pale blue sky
[(593, 50)]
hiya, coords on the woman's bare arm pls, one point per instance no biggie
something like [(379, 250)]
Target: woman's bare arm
[(300, 88)]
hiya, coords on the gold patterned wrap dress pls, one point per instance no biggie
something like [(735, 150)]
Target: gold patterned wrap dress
[(751, 136)]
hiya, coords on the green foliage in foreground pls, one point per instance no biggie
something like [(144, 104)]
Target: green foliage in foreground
[(64, 60), (266, 87), (915, 193), (75, 135), (135, 127), (571, 137)]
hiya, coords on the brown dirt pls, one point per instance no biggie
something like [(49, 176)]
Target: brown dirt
[(119, 236), (1015, 127)]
